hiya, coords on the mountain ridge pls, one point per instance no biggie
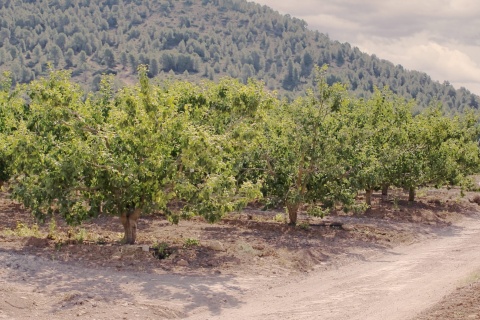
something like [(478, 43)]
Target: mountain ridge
[(195, 39)]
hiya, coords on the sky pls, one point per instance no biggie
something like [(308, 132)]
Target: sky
[(439, 37)]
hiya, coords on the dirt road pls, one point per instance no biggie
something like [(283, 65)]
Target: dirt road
[(394, 284)]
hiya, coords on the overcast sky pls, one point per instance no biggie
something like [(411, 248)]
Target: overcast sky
[(439, 37)]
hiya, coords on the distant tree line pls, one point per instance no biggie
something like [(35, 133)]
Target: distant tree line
[(196, 39)]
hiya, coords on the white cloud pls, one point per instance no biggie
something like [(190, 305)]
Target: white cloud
[(442, 62), (439, 37)]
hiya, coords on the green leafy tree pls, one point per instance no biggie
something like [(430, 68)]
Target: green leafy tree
[(11, 109), (125, 154), (302, 152), (378, 126), (438, 150)]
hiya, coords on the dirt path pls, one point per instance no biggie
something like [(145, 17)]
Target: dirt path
[(34, 287), (394, 284)]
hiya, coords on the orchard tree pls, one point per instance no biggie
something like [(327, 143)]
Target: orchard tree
[(439, 150), (233, 110), (49, 149), (11, 109), (123, 154), (176, 165), (455, 153), (302, 150), (378, 128)]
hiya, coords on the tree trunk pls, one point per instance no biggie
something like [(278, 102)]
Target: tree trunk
[(411, 194), (385, 192), (292, 213), (129, 221), (368, 197), (385, 189)]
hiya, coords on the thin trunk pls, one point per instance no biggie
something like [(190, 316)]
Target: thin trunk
[(411, 194), (129, 221), (385, 189), (385, 192), (292, 213), (368, 197)]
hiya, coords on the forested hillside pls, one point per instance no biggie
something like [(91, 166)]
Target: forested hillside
[(194, 39)]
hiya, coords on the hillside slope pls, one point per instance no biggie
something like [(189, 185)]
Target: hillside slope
[(195, 39)]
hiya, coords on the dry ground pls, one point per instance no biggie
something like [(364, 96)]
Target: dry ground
[(253, 242)]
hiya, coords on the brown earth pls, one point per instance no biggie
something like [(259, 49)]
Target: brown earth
[(62, 272), (462, 304)]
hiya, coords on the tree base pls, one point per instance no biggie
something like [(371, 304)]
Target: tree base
[(368, 197), (292, 214), (411, 194), (129, 221)]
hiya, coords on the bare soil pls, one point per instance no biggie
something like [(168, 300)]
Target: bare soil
[(240, 268)]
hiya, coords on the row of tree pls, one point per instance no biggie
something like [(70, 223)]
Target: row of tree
[(186, 149)]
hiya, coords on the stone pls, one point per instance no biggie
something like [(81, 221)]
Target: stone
[(216, 246), (182, 263)]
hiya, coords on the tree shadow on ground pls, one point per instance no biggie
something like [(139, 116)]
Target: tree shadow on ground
[(73, 283)]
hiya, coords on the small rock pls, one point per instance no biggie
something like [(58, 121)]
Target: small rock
[(216, 246), (145, 248), (258, 247), (182, 263)]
